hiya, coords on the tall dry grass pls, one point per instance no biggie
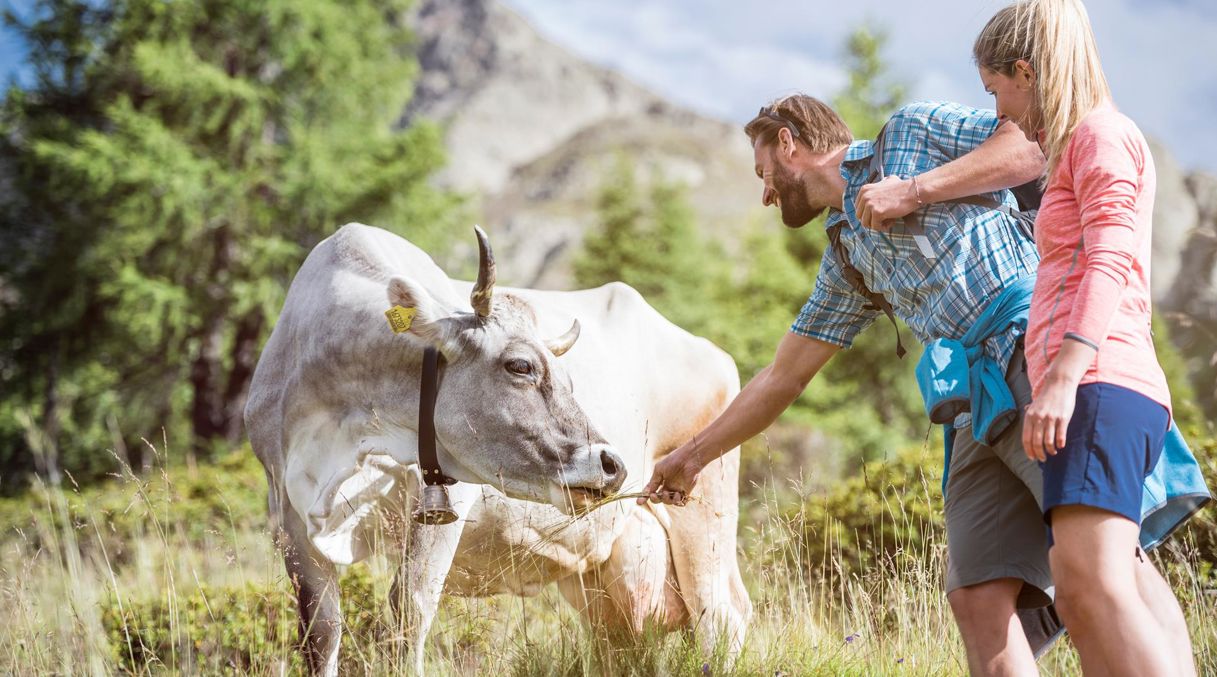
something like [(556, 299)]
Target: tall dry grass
[(84, 576)]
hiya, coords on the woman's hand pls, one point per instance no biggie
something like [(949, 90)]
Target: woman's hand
[(889, 199), (1047, 418), (673, 478)]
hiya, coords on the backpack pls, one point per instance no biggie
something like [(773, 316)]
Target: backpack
[(1028, 196)]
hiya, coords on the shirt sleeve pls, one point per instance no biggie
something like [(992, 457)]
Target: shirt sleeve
[(950, 129), (835, 312), (1106, 164)]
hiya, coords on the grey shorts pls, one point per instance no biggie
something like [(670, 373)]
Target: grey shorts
[(995, 528)]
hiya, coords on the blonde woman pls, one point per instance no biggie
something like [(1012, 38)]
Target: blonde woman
[(1100, 407)]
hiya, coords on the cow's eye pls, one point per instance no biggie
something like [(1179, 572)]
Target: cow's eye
[(521, 367)]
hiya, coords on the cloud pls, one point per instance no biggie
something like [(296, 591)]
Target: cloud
[(724, 57), (676, 53)]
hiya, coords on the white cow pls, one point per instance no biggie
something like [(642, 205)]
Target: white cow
[(333, 415)]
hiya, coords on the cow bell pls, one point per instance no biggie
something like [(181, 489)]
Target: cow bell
[(434, 506)]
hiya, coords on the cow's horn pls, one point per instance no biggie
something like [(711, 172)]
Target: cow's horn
[(483, 291), (563, 343)]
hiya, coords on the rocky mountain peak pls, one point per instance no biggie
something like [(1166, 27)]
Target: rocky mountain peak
[(505, 94)]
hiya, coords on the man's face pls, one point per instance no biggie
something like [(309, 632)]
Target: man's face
[(782, 187)]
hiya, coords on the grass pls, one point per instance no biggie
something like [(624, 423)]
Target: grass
[(154, 574)]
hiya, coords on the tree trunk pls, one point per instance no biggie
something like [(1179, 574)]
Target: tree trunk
[(244, 359), (46, 451), (206, 372)]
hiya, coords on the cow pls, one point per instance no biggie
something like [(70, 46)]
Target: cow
[(536, 432)]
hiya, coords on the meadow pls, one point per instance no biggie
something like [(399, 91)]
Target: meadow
[(172, 570)]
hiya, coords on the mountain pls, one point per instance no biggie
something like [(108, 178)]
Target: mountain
[(531, 128)]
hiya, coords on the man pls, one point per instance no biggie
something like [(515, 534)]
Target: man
[(940, 272)]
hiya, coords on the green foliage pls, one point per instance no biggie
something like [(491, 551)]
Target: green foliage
[(246, 629), (171, 168), (871, 96), (890, 514), (173, 500), (651, 245), (1195, 357), (1184, 405)]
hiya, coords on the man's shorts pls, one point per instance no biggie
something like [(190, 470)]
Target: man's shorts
[(995, 528), (1113, 441)]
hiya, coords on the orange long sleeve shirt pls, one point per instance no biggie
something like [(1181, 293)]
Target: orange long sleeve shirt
[(1094, 233)]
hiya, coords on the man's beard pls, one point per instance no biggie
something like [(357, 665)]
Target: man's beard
[(797, 210)]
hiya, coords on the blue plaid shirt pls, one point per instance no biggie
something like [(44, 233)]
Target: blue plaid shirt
[(976, 252)]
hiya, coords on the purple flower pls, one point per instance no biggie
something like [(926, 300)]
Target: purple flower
[(899, 660), (705, 668)]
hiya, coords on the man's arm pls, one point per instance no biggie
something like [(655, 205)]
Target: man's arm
[(758, 405), (1004, 160)]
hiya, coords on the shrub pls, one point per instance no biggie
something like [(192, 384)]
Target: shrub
[(176, 500), (239, 629), (891, 512)]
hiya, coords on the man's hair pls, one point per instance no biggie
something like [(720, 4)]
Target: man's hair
[(809, 120), (1055, 37)]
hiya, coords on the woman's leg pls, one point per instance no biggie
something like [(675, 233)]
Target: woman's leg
[(1160, 599), (1094, 563)]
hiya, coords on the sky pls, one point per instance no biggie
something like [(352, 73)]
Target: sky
[(725, 58)]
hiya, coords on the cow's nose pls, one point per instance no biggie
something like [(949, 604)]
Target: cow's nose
[(612, 465)]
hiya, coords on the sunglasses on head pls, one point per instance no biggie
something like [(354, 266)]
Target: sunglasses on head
[(765, 111)]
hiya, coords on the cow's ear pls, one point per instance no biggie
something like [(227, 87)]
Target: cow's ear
[(428, 316)]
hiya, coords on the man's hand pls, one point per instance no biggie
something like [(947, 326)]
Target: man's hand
[(759, 404), (673, 478), (892, 198)]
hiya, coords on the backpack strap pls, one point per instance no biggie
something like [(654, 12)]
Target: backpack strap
[(854, 277)]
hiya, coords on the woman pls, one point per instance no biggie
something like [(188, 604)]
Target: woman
[(1101, 407)]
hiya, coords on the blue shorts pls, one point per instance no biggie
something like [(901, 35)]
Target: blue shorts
[(1112, 444)]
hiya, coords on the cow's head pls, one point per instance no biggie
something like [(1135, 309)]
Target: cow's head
[(505, 414)]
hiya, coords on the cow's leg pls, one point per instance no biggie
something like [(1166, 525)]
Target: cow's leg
[(635, 587), (315, 581), (703, 536), (426, 557)]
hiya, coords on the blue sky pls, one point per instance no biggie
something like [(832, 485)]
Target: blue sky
[(725, 58)]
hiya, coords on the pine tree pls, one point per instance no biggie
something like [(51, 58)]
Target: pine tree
[(612, 249), (174, 163), (653, 246), (871, 95)]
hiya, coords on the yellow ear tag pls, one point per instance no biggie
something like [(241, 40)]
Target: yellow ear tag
[(400, 318)]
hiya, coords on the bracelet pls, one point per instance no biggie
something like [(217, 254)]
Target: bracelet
[(917, 192)]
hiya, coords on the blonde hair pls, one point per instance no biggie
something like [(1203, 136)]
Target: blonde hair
[(1055, 37), (809, 120)]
